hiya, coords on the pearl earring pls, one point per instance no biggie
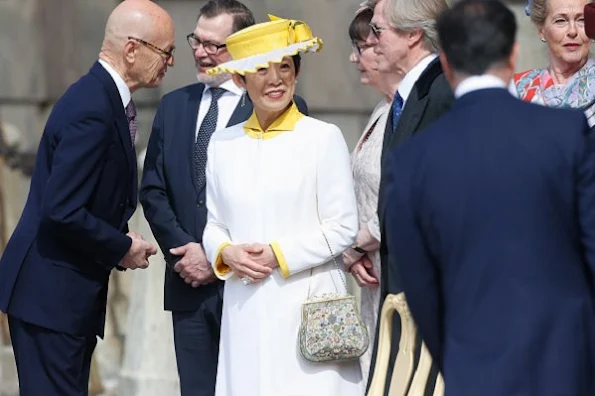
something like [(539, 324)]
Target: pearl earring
[(543, 39)]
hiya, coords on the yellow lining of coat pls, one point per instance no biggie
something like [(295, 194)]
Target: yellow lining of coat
[(220, 268), (280, 259)]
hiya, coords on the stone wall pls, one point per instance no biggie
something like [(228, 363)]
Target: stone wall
[(45, 45)]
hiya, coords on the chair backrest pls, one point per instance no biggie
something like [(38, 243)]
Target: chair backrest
[(406, 379)]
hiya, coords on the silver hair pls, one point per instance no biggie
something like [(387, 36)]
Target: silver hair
[(410, 15)]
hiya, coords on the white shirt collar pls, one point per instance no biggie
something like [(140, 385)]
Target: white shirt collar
[(228, 85), (406, 85), (475, 83), (120, 84)]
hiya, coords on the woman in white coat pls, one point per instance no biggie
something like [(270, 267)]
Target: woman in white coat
[(278, 187)]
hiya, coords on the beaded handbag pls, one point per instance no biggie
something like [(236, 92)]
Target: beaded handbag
[(332, 328)]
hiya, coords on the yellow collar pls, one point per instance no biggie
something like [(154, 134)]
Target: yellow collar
[(285, 122)]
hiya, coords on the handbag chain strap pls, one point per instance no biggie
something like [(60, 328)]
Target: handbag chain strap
[(336, 266)]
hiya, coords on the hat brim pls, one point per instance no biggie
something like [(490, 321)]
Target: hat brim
[(251, 64)]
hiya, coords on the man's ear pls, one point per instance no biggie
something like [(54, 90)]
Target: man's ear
[(238, 80), (415, 36), (130, 51)]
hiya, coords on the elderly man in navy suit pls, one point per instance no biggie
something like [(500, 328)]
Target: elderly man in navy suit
[(73, 230), (490, 215)]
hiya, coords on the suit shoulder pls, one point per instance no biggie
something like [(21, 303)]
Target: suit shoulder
[(549, 117), (440, 89), (183, 92), (85, 97)]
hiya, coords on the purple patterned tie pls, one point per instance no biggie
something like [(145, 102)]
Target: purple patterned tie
[(131, 116)]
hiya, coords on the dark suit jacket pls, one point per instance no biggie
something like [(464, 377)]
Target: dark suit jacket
[(491, 217), (55, 269), (174, 206), (429, 99)]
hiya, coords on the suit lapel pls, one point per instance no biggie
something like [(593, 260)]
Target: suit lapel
[(409, 120), (121, 125), (415, 105), (242, 111)]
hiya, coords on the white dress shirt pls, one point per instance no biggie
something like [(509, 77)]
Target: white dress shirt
[(411, 78), (226, 104), (475, 83), (123, 89)]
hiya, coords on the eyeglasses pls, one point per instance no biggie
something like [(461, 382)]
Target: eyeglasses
[(167, 55), (359, 48), (210, 48), (376, 30)]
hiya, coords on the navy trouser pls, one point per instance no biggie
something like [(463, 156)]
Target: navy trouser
[(50, 363), (196, 338)]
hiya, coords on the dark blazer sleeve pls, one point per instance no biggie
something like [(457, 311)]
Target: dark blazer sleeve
[(585, 185), (153, 192), (406, 243), (301, 104), (76, 169)]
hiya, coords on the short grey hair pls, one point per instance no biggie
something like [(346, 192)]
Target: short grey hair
[(409, 15)]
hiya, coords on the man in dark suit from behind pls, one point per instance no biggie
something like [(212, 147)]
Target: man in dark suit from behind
[(173, 191), (491, 218), (403, 34), (73, 230)]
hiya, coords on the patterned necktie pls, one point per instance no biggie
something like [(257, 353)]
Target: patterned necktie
[(397, 109), (131, 116), (208, 126)]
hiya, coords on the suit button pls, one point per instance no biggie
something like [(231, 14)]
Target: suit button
[(200, 203), (121, 204)]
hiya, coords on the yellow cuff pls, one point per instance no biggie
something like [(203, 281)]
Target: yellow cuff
[(220, 268), (280, 259)]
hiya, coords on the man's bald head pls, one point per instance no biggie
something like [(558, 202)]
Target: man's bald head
[(136, 18), (139, 42)]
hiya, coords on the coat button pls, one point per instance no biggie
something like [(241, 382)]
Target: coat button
[(200, 203)]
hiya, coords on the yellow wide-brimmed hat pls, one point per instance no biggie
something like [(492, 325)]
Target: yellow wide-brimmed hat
[(260, 45)]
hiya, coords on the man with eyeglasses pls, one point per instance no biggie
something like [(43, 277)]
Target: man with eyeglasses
[(73, 231), (173, 191), (404, 36)]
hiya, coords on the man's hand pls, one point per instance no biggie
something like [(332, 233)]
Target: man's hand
[(243, 264), (364, 273), (193, 267), (138, 254), (133, 234)]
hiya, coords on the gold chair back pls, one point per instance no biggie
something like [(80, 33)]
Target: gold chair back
[(406, 379)]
